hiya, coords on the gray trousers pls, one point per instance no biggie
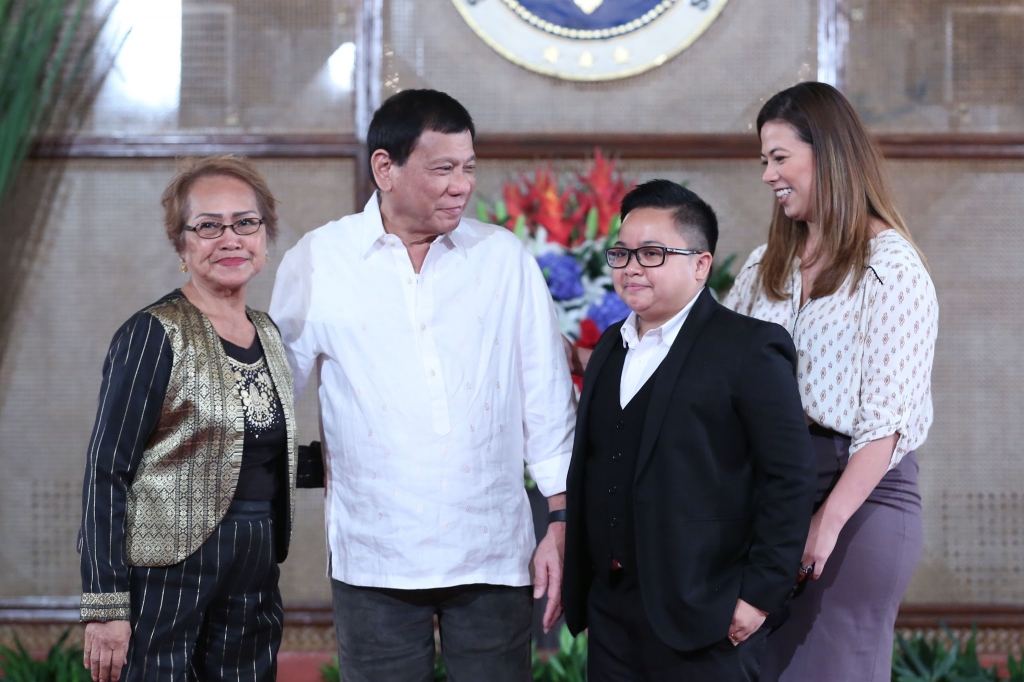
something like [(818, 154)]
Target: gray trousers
[(387, 635)]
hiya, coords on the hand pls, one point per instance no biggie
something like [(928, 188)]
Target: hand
[(106, 649), (746, 619), (576, 357), (547, 569), (821, 540)]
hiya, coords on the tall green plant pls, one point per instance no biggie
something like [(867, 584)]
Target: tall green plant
[(35, 42), (920, 660), (51, 66), (62, 664)]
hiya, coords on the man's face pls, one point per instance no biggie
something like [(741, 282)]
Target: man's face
[(432, 189), (655, 294)]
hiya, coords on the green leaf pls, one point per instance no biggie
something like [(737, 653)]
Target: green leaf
[(592, 226), (613, 229), (500, 212), (520, 228), (329, 672)]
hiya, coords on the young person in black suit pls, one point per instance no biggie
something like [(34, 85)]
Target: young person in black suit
[(692, 476)]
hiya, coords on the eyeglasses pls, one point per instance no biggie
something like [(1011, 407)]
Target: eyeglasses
[(243, 227), (647, 256)]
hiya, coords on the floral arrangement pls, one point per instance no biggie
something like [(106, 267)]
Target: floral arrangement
[(567, 224)]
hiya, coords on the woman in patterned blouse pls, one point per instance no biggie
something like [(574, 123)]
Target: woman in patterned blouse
[(841, 272), (190, 473)]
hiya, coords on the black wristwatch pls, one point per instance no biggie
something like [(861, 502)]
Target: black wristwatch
[(556, 515)]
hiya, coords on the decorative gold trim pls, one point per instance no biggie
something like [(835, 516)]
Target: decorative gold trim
[(281, 375), (104, 606), (595, 77), (600, 34)]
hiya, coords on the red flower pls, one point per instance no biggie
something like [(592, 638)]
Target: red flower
[(603, 189), (551, 206), (589, 333), (517, 203)]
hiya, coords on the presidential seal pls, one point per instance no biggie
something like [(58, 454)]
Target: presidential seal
[(589, 40)]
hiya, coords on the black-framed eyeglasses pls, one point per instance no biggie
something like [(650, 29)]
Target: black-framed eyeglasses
[(211, 230), (647, 256)]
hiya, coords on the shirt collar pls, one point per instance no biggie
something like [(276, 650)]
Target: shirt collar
[(665, 334), (372, 231)]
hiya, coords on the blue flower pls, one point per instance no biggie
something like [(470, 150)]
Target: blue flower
[(609, 310), (563, 275)]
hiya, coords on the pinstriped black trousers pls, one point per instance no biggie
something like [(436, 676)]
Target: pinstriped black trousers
[(215, 616)]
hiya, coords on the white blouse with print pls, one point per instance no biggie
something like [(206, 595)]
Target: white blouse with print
[(864, 361)]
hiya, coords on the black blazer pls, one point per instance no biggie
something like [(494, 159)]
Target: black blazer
[(724, 483)]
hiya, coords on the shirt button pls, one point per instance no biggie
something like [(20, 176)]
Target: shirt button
[(619, 424), (408, 280), (611, 491), (617, 455), (423, 327), (432, 372), (613, 522)]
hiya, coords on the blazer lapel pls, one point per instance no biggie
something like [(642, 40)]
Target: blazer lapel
[(668, 374), (597, 359)]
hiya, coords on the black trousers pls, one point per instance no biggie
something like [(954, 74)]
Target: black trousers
[(387, 635), (215, 616), (623, 646)]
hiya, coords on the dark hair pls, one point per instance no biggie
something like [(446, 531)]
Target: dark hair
[(850, 188), (398, 124), (694, 219)]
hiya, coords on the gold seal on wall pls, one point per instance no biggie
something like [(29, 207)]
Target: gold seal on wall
[(589, 40)]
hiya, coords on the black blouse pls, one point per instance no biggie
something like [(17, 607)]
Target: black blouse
[(266, 440)]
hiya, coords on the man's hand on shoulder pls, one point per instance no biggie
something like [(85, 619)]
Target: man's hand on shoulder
[(746, 620)]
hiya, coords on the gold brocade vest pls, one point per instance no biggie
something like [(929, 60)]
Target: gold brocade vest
[(189, 470)]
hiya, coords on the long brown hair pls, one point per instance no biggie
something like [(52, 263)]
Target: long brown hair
[(850, 188)]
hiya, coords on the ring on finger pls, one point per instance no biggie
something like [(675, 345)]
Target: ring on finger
[(807, 570)]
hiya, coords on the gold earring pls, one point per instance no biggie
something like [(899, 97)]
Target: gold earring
[(184, 266)]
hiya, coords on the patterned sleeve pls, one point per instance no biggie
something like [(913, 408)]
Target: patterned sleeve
[(135, 377), (744, 290), (899, 346)]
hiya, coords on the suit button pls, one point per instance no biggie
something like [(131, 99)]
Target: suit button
[(613, 522), (611, 491), (619, 424), (617, 455)]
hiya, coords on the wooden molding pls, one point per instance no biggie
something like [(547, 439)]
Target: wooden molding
[(175, 145), (64, 610), (526, 146)]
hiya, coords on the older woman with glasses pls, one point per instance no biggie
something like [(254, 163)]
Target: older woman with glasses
[(189, 479)]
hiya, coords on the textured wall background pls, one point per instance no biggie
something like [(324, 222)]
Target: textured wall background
[(103, 254)]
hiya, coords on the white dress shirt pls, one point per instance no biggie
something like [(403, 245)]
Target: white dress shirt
[(645, 355), (864, 357), (434, 388)]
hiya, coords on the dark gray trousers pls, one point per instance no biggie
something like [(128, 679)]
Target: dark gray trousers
[(387, 635)]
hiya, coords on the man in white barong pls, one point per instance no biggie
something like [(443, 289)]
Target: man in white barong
[(441, 370)]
